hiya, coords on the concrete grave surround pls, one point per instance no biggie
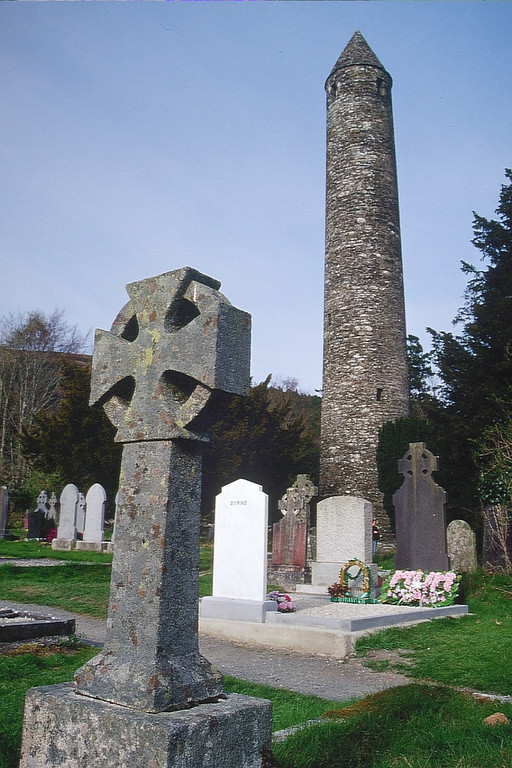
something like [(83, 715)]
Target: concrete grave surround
[(461, 544), (94, 519), (4, 510), (67, 532), (149, 699), (240, 555), (344, 532), (420, 513)]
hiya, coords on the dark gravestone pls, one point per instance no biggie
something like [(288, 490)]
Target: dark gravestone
[(35, 520), (4, 511), (420, 514), (290, 535)]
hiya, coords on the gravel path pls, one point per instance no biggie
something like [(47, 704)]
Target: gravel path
[(337, 680)]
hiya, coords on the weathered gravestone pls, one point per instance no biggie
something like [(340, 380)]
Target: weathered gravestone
[(461, 545), (94, 519), (290, 535), (37, 517), (67, 531), (343, 533), (240, 555), (420, 514), (80, 513), (4, 511), (52, 509), (172, 352)]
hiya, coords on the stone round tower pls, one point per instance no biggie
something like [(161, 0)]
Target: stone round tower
[(364, 370)]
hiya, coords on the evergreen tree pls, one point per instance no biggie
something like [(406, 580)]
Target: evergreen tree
[(76, 440), (257, 442), (476, 366)]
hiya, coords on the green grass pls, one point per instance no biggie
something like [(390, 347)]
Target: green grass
[(464, 652), (72, 587), (27, 670), (17, 674), (38, 549), (289, 708), (414, 726)]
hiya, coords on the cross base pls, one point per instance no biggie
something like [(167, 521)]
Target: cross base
[(63, 729)]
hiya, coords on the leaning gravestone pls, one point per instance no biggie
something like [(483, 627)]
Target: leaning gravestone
[(240, 555), (173, 352), (420, 514), (94, 519), (4, 511), (67, 532), (289, 565), (461, 544)]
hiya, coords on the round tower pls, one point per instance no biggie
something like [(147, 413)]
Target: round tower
[(364, 371)]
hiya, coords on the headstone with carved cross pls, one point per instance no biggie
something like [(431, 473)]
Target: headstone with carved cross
[(290, 535), (172, 354), (420, 514)]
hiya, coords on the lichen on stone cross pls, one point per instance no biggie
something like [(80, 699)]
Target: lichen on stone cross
[(296, 499), (172, 351), (175, 342)]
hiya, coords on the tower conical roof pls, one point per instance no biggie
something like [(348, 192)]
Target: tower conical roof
[(356, 53)]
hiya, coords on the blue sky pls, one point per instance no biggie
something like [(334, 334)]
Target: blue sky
[(138, 138)]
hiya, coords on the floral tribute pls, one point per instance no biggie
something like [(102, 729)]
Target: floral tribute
[(337, 590), (435, 589), (284, 602)]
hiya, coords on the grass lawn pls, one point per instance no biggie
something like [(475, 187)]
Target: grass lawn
[(36, 667), (415, 726), (470, 651)]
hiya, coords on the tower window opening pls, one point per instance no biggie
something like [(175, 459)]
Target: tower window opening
[(380, 83), (379, 394)]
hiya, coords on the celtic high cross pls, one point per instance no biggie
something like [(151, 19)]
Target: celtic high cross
[(173, 353)]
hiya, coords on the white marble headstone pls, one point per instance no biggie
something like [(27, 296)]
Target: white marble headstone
[(68, 509), (95, 515), (240, 544)]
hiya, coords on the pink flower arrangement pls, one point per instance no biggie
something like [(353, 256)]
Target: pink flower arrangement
[(418, 588), (284, 602)]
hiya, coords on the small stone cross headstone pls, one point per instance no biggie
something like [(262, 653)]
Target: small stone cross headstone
[(42, 503), (420, 514), (4, 511), (290, 534), (52, 509)]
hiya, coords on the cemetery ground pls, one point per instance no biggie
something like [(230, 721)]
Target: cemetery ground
[(430, 723)]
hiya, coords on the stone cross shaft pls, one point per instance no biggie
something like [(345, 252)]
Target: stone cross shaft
[(172, 351)]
